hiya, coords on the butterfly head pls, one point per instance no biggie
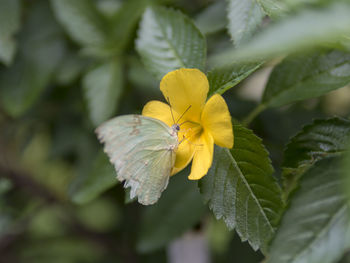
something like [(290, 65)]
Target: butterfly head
[(175, 128)]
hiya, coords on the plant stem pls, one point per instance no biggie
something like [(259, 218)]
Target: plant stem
[(255, 112)]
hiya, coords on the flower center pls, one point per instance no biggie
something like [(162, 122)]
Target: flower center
[(190, 131)]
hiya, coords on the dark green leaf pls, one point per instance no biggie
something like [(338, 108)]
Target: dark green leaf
[(321, 139), (307, 76), (223, 79), (100, 178), (168, 40), (346, 171), (103, 86), (9, 25), (315, 226), (240, 188), (305, 30), (244, 18), (40, 52), (318, 140), (211, 19), (179, 209), (82, 21)]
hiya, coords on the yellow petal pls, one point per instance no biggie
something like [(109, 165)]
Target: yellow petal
[(216, 120), (203, 157), (159, 110), (184, 156), (188, 135), (183, 88)]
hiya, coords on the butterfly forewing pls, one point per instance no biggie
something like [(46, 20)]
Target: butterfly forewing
[(142, 151)]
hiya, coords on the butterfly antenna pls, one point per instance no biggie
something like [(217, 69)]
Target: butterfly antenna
[(171, 110), (183, 123), (183, 113)]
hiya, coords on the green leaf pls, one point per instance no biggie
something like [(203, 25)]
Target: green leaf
[(168, 40), (126, 20), (275, 8), (82, 21), (314, 227), (102, 176), (346, 171), (305, 30), (39, 54), (179, 209), (223, 79), (103, 86), (307, 76), (280, 8), (211, 20), (240, 188), (321, 139), (10, 13), (244, 18)]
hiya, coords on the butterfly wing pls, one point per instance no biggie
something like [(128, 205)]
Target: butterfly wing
[(142, 151)]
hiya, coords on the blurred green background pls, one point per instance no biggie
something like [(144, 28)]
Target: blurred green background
[(59, 199)]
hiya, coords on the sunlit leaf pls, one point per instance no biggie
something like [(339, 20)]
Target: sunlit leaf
[(240, 188), (168, 40), (315, 226), (305, 30)]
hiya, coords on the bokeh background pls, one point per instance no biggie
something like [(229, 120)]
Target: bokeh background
[(59, 199)]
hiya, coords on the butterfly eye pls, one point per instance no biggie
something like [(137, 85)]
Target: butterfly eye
[(177, 127)]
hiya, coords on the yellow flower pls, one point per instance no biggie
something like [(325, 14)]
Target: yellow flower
[(203, 122)]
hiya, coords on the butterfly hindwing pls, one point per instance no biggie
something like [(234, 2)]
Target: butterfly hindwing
[(141, 150)]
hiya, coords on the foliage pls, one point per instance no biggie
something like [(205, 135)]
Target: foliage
[(67, 66)]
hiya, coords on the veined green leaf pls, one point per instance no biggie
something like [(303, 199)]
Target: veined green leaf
[(223, 79), (321, 139), (82, 21), (87, 187), (179, 209), (103, 86), (244, 18), (240, 188), (10, 11), (39, 54), (315, 226), (307, 76), (303, 31), (168, 40)]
